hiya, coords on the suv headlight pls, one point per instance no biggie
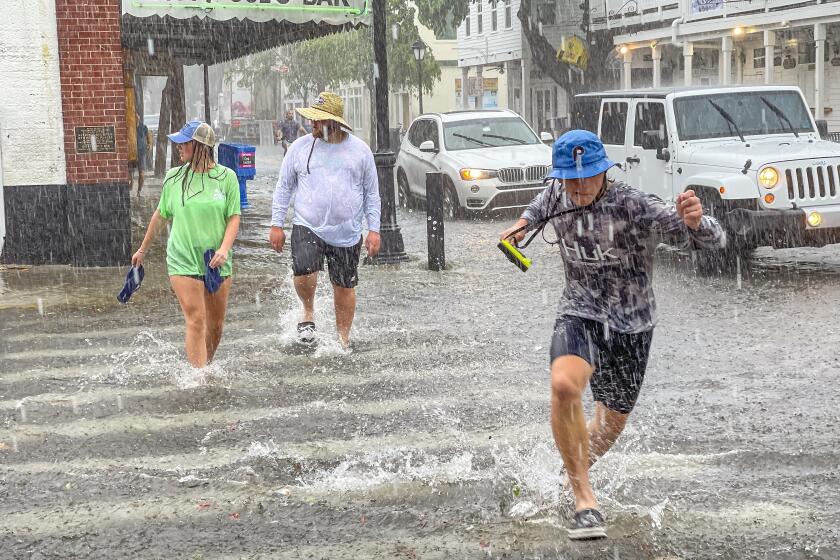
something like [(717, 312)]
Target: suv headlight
[(768, 177), (470, 174)]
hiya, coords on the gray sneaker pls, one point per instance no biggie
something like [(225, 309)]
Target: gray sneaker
[(306, 332), (589, 524)]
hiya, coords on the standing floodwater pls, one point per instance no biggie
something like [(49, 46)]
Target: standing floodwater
[(430, 439)]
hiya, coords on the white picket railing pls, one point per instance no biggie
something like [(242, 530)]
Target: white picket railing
[(619, 13)]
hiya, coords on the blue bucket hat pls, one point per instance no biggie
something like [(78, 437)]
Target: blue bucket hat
[(578, 154), (132, 283)]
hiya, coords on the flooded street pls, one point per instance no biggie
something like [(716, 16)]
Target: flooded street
[(432, 438)]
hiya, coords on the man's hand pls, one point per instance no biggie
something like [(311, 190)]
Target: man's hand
[(277, 238), (507, 234), (372, 243), (690, 209)]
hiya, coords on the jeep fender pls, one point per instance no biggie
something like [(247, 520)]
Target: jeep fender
[(735, 185)]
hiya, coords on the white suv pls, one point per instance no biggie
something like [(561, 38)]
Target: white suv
[(491, 160), (753, 154)]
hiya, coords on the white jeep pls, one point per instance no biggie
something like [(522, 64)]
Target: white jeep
[(754, 155)]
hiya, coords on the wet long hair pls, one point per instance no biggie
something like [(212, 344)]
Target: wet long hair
[(201, 158)]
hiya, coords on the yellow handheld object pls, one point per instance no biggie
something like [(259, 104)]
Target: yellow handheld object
[(514, 256)]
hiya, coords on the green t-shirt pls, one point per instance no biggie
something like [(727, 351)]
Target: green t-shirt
[(199, 217)]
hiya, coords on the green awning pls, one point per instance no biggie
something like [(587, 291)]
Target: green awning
[(213, 31)]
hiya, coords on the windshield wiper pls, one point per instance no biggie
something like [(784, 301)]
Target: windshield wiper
[(500, 137), (729, 119), (779, 114), (471, 139)]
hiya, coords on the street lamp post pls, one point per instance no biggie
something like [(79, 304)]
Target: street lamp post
[(419, 48), (392, 249)]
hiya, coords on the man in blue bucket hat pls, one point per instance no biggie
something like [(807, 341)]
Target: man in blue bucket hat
[(606, 232)]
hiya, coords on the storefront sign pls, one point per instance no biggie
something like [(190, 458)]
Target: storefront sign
[(705, 6), (91, 139)]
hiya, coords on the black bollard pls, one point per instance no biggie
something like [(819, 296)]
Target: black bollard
[(434, 221)]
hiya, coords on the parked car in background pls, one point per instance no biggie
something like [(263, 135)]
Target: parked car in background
[(490, 160)]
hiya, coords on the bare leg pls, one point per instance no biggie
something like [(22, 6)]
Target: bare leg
[(569, 376), (190, 294), (604, 429), (345, 310), (305, 288), (141, 176), (216, 305)]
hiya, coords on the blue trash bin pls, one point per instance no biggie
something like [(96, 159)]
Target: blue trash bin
[(241, 158)]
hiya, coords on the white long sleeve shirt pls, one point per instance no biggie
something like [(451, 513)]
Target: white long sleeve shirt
[(335, 189)]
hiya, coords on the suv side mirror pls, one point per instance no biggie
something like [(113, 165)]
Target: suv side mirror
[(546, 137), (428, 147), (653, 140), (822, 128)]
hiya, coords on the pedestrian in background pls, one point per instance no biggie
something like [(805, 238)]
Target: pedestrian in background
[(144, 144), (201, 197), (333, 176), (289, 130)]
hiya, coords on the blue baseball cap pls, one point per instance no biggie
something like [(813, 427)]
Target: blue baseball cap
[(196, 130), (578, 154)]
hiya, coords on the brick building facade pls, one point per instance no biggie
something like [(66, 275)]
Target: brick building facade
[(78, 212)]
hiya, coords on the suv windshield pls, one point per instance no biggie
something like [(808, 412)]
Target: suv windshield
[(487, 133), (697, 118)]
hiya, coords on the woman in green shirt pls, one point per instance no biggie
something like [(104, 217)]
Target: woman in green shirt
[(201, 198)]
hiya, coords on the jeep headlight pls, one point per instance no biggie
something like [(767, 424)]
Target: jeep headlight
[(768, 177), (470, 174)]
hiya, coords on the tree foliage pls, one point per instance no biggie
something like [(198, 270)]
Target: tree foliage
[(544, 55), (343, 58)]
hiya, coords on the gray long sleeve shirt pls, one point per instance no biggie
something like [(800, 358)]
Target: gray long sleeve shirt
[(607, 249)]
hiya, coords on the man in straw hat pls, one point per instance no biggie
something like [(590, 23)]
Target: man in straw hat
[(333, 176), (606, 233)]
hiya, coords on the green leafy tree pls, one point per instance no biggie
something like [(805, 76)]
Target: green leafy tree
[(342, 58), (433, 14)]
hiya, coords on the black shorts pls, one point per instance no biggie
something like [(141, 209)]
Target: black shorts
[(309, 250), (619, 359)]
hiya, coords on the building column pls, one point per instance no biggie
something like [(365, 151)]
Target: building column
[(769, 53), (479, 94), (688, 56), (656, 56), (465, 82), (726, 47), (626, 70), (819, 71)]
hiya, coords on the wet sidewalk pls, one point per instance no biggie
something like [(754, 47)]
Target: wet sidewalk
[(429, 440)]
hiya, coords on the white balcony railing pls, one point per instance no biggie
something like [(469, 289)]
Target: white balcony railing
[(619, 13)]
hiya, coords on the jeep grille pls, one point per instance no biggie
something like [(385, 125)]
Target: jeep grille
[(511, 175), (813, 183)]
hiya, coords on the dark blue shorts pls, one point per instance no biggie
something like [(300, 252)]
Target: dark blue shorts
[(309, 252), (619, 359)]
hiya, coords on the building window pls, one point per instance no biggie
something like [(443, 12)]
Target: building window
[(758, 58), (508, 15), (494, 18), (467, 26), (479, 17), (353, 107), (449, 33), (547, 13)]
